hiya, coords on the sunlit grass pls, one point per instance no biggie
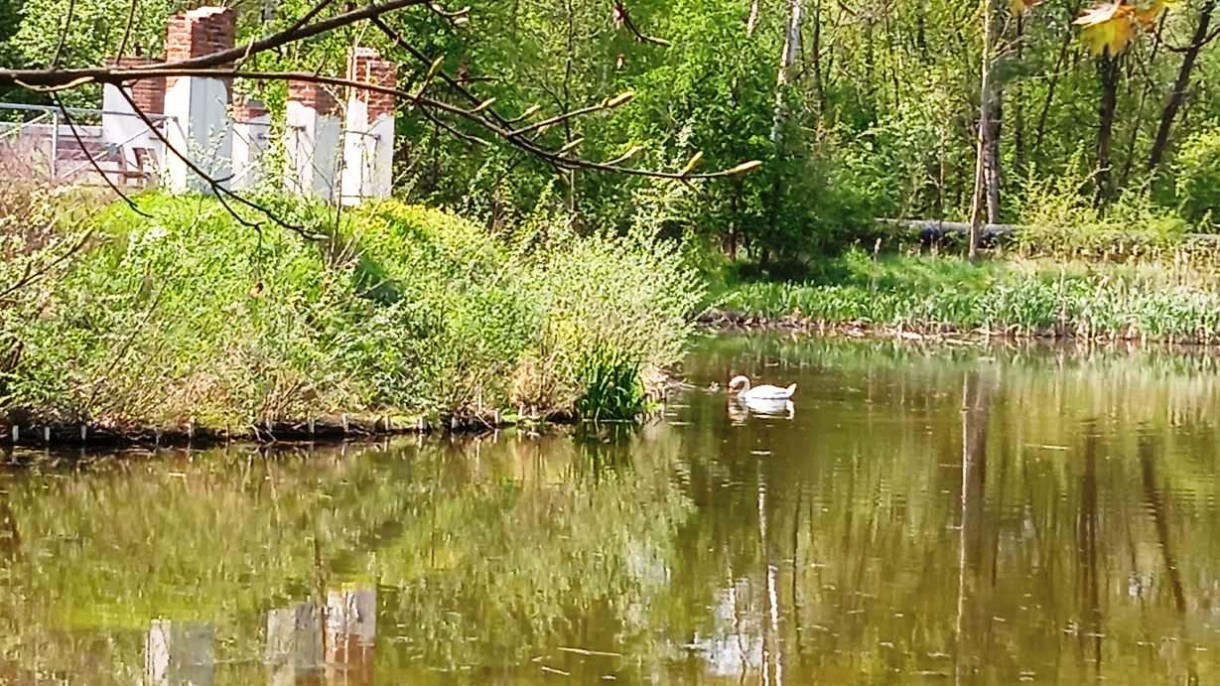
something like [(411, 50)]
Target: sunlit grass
[(1140, 299)]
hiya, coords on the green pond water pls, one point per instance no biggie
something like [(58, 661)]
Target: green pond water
[(921, 516)]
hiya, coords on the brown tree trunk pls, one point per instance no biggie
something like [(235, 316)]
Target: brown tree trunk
[(1137, 122), (1018, 119), (1109, 74), (1181, 85), (815, 50), (1064, 46)]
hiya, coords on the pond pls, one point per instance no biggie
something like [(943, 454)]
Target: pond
[(923, 515)]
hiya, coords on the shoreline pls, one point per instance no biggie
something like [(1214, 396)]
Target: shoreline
[(340, 428), (332, 429), (726, 322)]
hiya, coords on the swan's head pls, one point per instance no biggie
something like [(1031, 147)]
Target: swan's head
[(739, 384)]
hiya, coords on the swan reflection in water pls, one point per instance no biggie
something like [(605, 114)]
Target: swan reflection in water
[(740, 411)]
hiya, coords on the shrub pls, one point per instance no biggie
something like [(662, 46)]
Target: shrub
[(1197, 177), (193, 316)]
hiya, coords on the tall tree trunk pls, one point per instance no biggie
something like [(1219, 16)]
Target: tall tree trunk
[(982, 167), (1056, 74), (752, 20), (787, 67), (1109, 74), (1137, 121), (1181, 85), (1018, 114), (992, 169), (819, 85)]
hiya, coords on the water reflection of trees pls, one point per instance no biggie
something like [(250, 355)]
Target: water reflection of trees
[(958, 520), (481, 553), (1049, 489)]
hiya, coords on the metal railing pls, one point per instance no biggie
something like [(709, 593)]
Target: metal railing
[(38, 142)]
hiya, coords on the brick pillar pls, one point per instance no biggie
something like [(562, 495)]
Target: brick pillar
[(251, 136), (122, 127), (368, 145), (312, 131), (198, 106)]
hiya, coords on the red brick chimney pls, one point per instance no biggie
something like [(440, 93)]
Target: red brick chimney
[(247, 110), (313, 95), (200, 32), (149, 94), (367, 66)]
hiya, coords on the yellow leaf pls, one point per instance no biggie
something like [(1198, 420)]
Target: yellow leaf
[(632, 152), (483, 105), (744, 168), (570, 146), (690, 166), (621, 99), (1108, 28)]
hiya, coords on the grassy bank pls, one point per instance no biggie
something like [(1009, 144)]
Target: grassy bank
[(1169, 297), (192, 319)]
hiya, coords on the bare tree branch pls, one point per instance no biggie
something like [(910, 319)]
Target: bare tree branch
[(59, 79), (623, 18), (63, 34), (223, 64), (131, 20), (513, 137), (222, 193), (93, 161)]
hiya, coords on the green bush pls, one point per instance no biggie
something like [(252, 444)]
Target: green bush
[(1197, 177), (194, 316)]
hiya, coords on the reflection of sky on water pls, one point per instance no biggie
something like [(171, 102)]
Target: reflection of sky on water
[(736, 647)]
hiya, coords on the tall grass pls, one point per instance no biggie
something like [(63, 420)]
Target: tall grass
[(1025, 297), (613, 387), (193, 317)]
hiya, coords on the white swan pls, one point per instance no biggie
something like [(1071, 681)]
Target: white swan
[(766, 392)]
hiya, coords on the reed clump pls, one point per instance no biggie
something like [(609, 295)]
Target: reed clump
[(1173, 297)]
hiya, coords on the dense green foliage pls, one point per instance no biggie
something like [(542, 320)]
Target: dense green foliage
[(877, 116), (191, 315)]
